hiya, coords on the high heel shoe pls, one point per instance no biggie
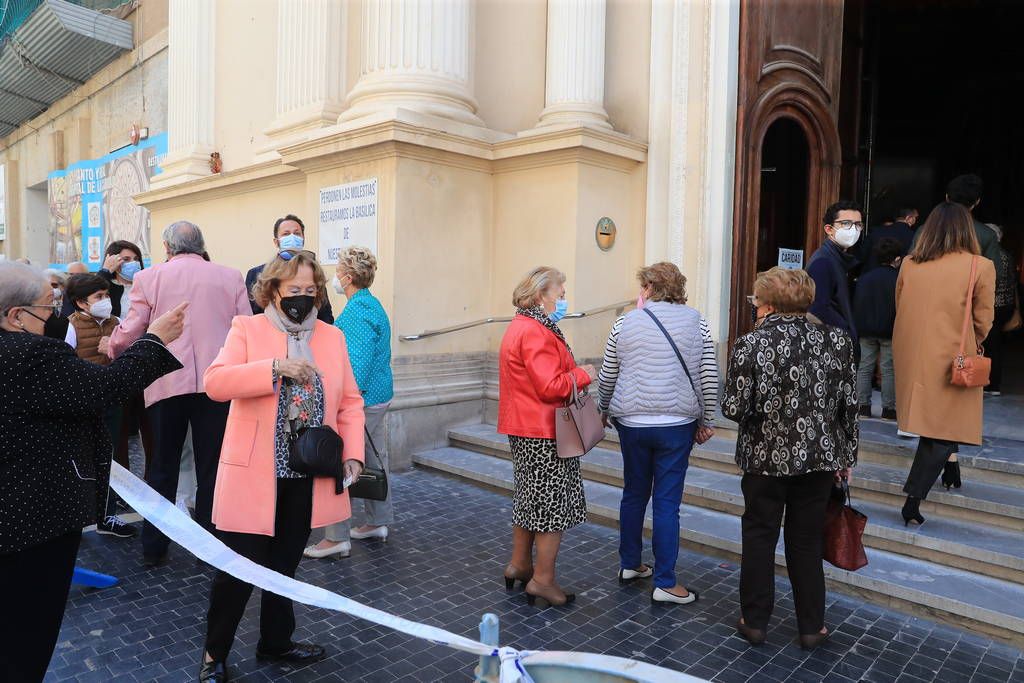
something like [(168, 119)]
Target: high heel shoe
[(951, 475), (911, 513), (809, 641), (754, 636), (512, 575), (549, 596)]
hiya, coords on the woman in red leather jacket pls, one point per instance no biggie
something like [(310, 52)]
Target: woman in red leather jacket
[(536, 369)]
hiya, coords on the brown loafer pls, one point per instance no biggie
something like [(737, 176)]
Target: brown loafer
[(754, 636)]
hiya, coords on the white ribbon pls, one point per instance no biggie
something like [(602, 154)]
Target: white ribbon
[(184, 531)]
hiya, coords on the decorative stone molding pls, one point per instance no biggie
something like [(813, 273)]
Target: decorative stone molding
[(417, 56), (574, 90), (190, 91), (310, 67)]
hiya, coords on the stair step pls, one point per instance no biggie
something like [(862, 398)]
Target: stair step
[(994, 605), (978, 502)]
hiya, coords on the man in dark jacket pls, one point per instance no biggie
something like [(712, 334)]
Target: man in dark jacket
[(289, 233), (831, 264), (874, 313), (901, 230), (966, 190)]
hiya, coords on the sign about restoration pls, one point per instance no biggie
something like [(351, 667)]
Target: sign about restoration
[(348, 217)]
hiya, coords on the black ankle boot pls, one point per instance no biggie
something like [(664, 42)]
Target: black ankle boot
[(911, 513), (951, 475)]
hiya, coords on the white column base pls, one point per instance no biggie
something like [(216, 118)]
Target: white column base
[(579, 113), (181, 167), (420, 93)]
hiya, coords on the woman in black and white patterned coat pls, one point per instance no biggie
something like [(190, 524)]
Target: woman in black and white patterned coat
[(791, 386)]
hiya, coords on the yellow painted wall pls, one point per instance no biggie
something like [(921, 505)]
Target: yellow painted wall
[(627, 66)]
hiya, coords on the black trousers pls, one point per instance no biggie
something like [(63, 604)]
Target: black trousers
[(35, 582), (281, 553), (804, 499), (994, 346), (929, 459), (170, 419)]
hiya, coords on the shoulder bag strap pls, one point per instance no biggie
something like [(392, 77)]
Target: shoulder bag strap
[(699, 395), (373, 447), (969, 308)]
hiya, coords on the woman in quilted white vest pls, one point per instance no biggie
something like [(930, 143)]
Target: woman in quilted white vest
[(659, 384)]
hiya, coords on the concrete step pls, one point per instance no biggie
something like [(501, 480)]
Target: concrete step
[(963, 598), (996, 461), (949, 540), (978, 502)]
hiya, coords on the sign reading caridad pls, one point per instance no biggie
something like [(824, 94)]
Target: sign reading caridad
[(791, 259), (348, 217)]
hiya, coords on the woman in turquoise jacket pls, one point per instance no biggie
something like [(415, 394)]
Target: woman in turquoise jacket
[(368, 337)]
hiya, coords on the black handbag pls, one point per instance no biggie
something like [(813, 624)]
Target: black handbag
[(316, 452), (373, 481)]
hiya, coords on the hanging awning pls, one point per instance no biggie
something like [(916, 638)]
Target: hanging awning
[(49, 48)]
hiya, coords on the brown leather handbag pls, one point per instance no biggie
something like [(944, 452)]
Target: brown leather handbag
[(578, 425), (843, 543), (970, 371)]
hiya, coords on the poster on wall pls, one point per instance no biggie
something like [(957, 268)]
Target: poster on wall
[(348, 217), (90, 203), (791, 259), (3, 205)]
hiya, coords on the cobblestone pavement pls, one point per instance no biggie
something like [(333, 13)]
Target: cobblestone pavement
[(442, 566)]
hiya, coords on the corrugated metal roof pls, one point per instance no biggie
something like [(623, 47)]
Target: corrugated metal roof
[(59, 47)]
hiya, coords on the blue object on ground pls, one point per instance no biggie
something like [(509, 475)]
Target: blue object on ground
[(87, 577)]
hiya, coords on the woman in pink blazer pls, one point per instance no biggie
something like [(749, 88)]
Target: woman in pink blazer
[(282, 370)]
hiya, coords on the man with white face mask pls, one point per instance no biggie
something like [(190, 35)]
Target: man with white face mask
[(289, 233), (831, 264)]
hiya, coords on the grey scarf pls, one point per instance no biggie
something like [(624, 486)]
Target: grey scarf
[(298, 335)]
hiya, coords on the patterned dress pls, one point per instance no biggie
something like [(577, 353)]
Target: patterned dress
[(298, 406)]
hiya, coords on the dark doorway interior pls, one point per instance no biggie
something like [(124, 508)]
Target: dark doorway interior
[(928, 97), (782, 219)]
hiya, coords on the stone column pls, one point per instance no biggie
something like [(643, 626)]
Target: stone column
[(415, 55), (190, 91), (310, 66), (574, 91)]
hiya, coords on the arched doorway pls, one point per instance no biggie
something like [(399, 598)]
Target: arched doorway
[(782, 214)]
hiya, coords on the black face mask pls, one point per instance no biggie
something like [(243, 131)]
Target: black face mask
[(753, 314), (297, 308)]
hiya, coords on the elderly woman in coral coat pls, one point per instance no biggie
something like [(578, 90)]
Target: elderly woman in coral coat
[(283, 370)]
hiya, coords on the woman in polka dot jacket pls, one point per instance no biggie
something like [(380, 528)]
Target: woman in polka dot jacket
[(54, 458)]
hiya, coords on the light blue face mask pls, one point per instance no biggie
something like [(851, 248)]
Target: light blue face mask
[(561, 308), (291, 241), (129, 269)]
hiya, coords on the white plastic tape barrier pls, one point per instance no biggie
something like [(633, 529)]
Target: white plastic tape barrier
[(184, 531)]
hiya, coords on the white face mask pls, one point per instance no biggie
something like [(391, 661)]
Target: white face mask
[(57, 293), (846, 237), (336, 283), (102, 309)]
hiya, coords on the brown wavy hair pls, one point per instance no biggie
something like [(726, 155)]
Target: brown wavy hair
[(948, 229), (278, 270), (666, 282)]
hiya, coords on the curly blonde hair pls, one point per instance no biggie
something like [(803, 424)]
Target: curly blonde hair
[(360, 263), (665, 281), (787, 291), (528, 292), (278, 270)]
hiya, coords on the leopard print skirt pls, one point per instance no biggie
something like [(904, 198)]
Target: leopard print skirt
[(548, 490)]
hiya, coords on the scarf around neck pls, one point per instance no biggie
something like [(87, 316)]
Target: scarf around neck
[(298, 335), (538, 314)]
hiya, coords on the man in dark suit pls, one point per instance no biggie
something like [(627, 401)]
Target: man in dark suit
[(966, 190), (901, 230), (289, 233), (831, 264)]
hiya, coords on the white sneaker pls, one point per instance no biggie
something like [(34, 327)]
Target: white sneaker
[(906, 435), (632, 574), (380, 532), (341, 549), (662, 595)]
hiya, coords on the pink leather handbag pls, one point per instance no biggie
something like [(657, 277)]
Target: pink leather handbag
[(578, 425)]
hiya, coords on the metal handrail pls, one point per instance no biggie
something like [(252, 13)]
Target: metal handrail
[(618, 308)]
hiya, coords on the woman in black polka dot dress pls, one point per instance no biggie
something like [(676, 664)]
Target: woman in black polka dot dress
[(54, 458)]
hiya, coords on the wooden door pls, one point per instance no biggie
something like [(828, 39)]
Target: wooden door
[(789, 67)]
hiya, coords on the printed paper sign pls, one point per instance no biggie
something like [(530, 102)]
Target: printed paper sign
[(791, 259), (348, 217)]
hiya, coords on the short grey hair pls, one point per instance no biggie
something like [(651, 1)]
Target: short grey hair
[(183, 237), (57, 275), (19, 285)]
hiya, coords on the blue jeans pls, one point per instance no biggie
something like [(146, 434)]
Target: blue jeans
[(653, 459)]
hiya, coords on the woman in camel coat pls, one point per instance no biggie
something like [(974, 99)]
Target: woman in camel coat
[(931, 298)]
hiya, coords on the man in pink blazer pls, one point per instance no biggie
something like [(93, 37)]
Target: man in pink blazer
[(217, 294)]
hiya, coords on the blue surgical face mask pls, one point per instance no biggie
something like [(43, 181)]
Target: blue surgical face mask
[(292, 241), (129, 269), (561, 308)]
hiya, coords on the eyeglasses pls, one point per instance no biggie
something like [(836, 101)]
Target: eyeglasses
[(752, 300), (849, 224), (289, 254)]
